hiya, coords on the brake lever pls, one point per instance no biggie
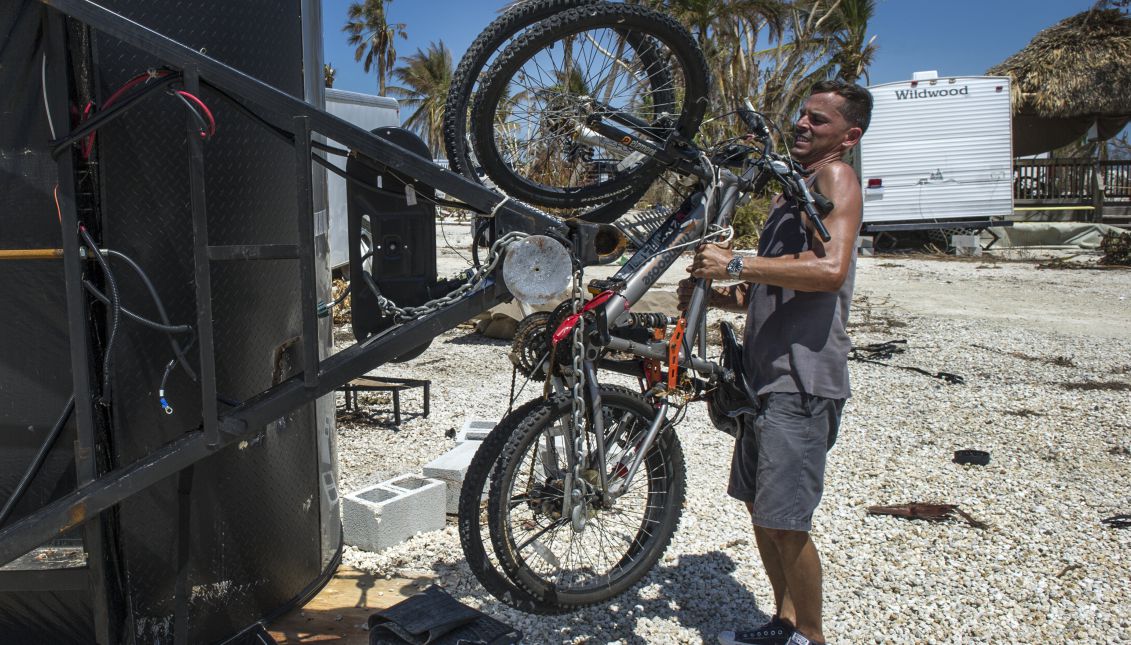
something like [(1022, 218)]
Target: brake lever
[(754, 122)]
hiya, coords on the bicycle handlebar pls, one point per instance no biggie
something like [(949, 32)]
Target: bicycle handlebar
[(811, 210), (815, 204), (754, 121)]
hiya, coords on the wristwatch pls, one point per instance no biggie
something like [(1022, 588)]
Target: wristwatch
[(734, 267)]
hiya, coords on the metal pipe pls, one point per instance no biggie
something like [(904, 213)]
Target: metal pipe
[(102, 118), (598, 421), (654, 428), (78, 331), (307, 275), (659, 351), (203, 272), (31, 254)]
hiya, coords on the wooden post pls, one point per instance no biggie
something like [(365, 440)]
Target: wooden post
[(1098, 186)]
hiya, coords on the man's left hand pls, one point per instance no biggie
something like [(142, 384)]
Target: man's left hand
[(711, 262)]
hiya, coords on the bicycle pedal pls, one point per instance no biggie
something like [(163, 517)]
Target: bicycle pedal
[(600, 285)]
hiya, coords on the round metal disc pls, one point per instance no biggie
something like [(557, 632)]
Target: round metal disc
[(537, 269)]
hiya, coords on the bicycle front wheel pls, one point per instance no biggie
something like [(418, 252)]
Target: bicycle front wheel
[(568, 556), (623, 64)]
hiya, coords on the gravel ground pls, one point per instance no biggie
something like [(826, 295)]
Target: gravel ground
[(1046, 394)]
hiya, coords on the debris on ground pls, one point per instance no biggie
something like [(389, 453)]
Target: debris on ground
[(1117, 521), (926, 511), (1116, 249), (342, 310)]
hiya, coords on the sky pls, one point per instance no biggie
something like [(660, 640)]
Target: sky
[(954, 37)]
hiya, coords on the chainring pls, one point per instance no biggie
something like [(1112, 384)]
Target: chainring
[(531, 344)]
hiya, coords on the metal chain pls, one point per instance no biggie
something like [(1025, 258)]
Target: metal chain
[(390, 308), (577, 399)]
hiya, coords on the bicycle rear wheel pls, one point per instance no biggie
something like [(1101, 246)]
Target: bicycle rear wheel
[(529, 121), (536, 538), (475, 60)]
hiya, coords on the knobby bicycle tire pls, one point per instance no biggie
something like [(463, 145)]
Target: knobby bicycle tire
[(475, 60), (471, 67), (662, 474), (471, 537), (668, 54)]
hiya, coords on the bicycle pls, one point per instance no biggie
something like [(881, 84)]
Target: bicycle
[(479, 65), (585, 484)]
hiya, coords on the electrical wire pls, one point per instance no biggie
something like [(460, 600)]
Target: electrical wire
[(114, 302), (449, 244), (37, 461), (161, 391), (209, 130), (46, 106), (287, 135), (151, 74), (58, 208), (477, 233), (160, 305), (141, 320), (384, 191), (202, 127), (115, 315)]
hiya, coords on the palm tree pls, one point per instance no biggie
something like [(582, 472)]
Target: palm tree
[(851, 54), (374, 38), (328, 74), (426, 78), (728, 31)]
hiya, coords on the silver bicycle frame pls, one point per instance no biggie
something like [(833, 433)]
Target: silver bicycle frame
[(640, 273)]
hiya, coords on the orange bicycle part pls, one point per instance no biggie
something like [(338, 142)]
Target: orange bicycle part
[(673, 352)]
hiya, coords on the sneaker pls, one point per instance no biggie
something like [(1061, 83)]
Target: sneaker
[(775, 632), (797, 638)]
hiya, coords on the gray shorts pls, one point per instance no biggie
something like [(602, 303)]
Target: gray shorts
[(779, 458)]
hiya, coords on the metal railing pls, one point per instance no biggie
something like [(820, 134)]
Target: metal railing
[(1070, 181)]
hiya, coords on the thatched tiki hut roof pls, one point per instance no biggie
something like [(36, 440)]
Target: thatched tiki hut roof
[(1071, 75)]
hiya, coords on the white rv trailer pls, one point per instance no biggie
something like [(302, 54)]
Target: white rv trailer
[(368, 112), (938, 150)]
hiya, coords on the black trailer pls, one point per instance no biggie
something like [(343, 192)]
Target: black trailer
[(175, 481)]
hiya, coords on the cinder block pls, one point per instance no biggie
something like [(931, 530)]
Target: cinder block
[(865, 246), (476, 429), (968, 245), (377, 517), (451, 467)]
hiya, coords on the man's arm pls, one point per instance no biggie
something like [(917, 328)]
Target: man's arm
[(825, 266)]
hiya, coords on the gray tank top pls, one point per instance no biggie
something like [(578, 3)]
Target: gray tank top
[(795, 341)]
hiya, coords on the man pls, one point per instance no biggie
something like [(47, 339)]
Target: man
[(796, 293)]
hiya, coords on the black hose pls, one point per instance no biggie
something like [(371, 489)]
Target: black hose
[(160, 309), (345, 294), (115, 316), (479, 230), (141, 320), (37, 462)]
